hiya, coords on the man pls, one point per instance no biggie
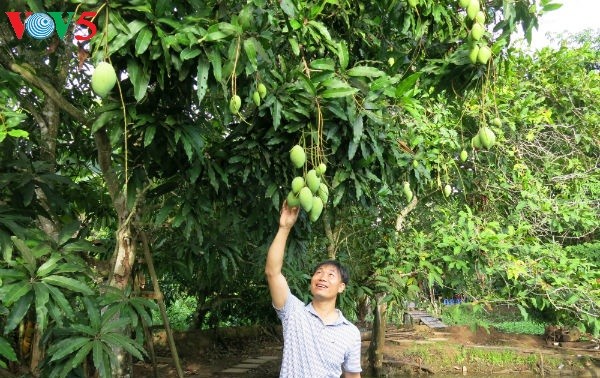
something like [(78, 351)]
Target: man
[(318, 342)]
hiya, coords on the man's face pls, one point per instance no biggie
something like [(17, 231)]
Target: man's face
[(326, 282)]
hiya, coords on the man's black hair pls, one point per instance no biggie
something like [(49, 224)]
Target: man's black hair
[(343, 271)]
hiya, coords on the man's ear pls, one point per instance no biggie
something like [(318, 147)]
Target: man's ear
[(341, 288)]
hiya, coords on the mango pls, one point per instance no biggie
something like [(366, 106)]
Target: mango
[(297, 184), (262, 90), (235, 103), (487, 137), (306, 199), (316, 210), (323, 193), (297, 156), (293, 200), (104, 79), (312, 181)]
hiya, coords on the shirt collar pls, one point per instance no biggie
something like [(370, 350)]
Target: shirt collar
[(340, 320)]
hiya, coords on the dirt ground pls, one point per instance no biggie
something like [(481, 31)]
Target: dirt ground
[(408, 351)]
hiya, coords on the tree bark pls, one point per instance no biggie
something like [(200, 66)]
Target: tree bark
[(378, 338)]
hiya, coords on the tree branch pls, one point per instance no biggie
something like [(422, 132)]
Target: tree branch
[(50, 91)]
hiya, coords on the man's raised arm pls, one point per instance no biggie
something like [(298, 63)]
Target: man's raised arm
[(277, 283)]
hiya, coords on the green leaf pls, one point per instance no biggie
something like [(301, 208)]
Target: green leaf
[(326, 64), (18, 311), (6, 350), (18, 133), (294, 45), (357, 129), (338, 92), (189, 53), (276, 114), (68, 231), (81, 354), (365, 71), (551, 7), (343, 56), (215, 60), (203, 68), (48, 266), (28, 257), (93, 313), (250, 49), (321, 29), (139, 77), (42, 296), (67, 346), (288, 7), (59, 298), (143, 41), (149, 133), (406, 85), (15, 292), (123, 342), (105, 118), (68, 283)]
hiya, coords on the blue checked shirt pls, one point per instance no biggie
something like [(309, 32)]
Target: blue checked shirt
[(312, 349)]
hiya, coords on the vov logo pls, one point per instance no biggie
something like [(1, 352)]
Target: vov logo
[(42, 25)]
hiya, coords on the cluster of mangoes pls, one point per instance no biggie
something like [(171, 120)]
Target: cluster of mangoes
[(235, 102), (480, 51), (485, 137), (308, 191)]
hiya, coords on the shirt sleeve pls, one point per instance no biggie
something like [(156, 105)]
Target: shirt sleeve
[(352, 358), (292, 303)]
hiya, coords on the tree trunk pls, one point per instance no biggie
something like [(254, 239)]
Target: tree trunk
[(378, 338)]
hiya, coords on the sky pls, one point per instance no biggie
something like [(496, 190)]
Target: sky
[(573, 16)]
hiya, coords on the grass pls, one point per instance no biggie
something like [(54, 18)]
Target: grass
[(503, 318)]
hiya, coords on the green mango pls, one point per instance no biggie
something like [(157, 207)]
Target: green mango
[(104, 79), (297, 156), (306, 199)]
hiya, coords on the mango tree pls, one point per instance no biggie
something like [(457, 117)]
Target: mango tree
[(183, 135)]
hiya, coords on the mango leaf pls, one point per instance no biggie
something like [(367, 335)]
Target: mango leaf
[(81, 354), (18, 311), (338, 92), (68, 231), (321, 29), (189, 53), (365, 71), (48, 266), (28, 257), (404, 87), (551, 7), (202, 79), (105, 118), (42, 297), (61, 301), (357, 129), (215, 60), (124, 342), (143, 40), (352, 147), (139, 77), (326, 64), (343, 56), (294, 45), (7, 351), (288, 7), (67, 346), (68, 283), (15, 291), (250, 49), (149, 133)]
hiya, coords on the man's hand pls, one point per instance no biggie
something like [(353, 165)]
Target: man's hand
[(289, 215)]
